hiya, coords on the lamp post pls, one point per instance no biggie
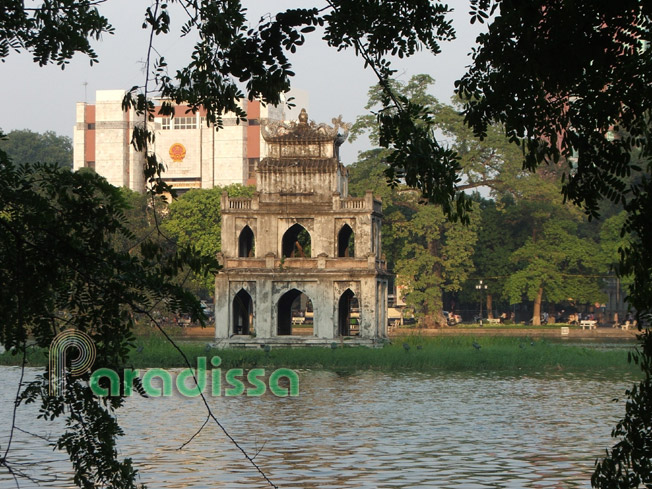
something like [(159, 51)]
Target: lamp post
[(480, 286)]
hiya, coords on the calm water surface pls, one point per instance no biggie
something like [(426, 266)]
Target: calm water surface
[(362, 430)]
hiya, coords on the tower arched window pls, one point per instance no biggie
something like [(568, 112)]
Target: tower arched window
[(296, 242), (246, 243), (346, 242)]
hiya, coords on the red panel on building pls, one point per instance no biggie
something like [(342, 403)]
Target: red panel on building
[(253, 110), (89, 133), (253, 142), (180, 111), (253, 130), (89, 116)]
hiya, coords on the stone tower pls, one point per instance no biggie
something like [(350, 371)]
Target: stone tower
[(301, 260)]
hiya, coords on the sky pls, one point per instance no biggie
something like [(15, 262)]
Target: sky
[(42, 99)]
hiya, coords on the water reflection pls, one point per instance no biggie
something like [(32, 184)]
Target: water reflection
[(365, 430)]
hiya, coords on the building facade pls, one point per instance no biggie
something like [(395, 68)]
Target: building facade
[(301, 260), (194, 155)]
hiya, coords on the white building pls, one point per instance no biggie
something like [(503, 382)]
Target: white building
[(194, 155)]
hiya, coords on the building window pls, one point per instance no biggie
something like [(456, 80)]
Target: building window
[(252, 164), (295, 314), (168, 123), (185, 122), (243, 313), (349, 314)]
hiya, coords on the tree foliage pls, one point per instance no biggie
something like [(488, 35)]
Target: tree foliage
[(54, 31), (429, 253), (525, 244), (554, 265), (60, 270), (590, 107), (435, 257), (195, 220), (498, 236), (32, 147), (551, 261), (565, 106)]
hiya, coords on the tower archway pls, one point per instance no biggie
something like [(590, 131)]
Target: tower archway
[(295, 314), (243, 312), (348, 317)]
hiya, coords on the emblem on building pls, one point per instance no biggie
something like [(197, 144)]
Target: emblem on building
[(177, 152)]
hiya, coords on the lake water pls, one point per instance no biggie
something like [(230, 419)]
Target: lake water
[(362, 430)]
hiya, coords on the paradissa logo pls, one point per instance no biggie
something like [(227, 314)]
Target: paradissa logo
[(157, 382), (234, 378), (64, 341)]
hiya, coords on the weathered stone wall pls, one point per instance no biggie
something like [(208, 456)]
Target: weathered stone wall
[(270, 220), (324, 291)]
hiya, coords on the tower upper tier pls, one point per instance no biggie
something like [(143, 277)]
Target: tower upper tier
[(303, 158)]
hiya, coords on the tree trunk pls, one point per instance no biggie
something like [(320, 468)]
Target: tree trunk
[(490, 307), (437, 316), (536, 315)]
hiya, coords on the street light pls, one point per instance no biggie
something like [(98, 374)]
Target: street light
[(480, 286)]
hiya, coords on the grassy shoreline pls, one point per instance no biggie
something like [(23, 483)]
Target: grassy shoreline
[(449, 353)]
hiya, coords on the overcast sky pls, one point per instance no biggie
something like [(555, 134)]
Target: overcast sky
[(44, 99)]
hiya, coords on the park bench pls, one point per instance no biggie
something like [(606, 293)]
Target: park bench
[(587, 323), (628, 324), (493, 320)]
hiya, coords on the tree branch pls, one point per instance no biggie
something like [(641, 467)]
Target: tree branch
[(482, 183), (209, 411)]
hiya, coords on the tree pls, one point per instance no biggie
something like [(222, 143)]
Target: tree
[(370, 170), (490, 162), (195, 220), (141, 215), (435, 257), (590, 107), (60, 270), (429, 254), (551, 262), (31, 147), (554, 265), (612, 241), (498, 236)]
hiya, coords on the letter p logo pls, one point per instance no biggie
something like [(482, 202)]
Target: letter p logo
[(70, 338)]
